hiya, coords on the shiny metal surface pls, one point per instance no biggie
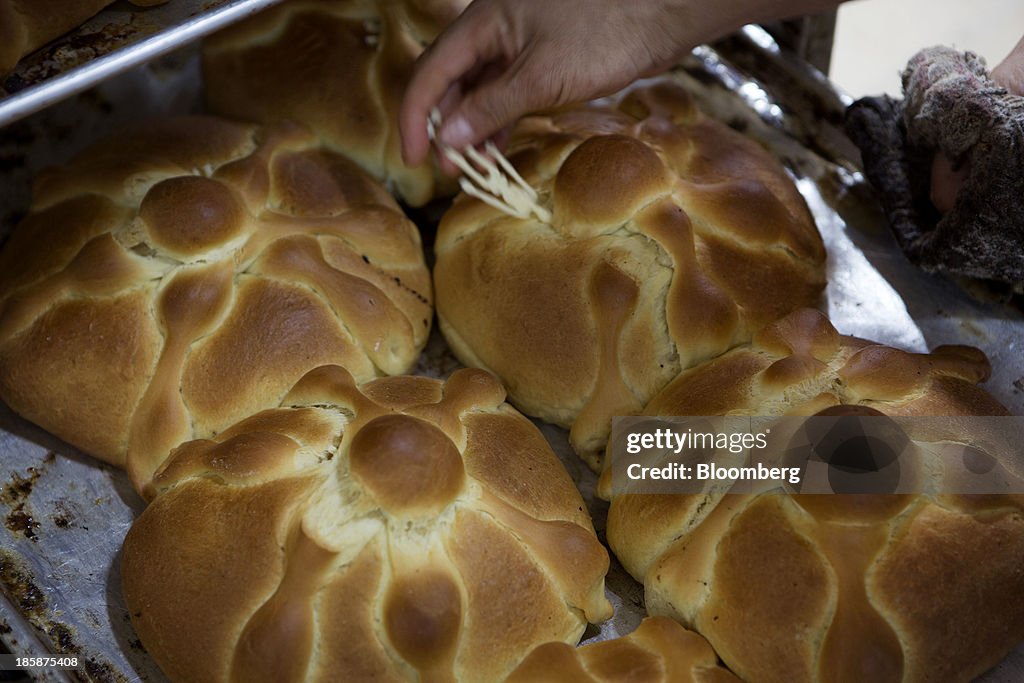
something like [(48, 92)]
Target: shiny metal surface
[(117, 39), (60, 543)]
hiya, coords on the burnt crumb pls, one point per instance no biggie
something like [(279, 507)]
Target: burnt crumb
[(4, 628), (100, 672), (18, 488), (1019, 383), (18, 586), (19, 521), (65, 54), (62, 638), (366, 259), (62, 516), (137, 646), (14, 493)]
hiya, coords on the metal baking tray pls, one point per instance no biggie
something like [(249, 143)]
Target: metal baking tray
[(66, 514), (118, 38)]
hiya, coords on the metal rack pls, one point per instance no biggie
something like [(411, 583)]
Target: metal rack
[(117, 39)]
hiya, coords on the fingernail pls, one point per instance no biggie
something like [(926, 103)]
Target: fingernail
[(457, 132)]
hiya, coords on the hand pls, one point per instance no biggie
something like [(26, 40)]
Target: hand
[(505, 58), (946, 179)]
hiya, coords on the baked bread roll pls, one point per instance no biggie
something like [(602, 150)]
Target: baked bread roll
[(658, 651), (406, 530), (912, 587), (186, 273), (26, 25), (673, 239), (339, 67)]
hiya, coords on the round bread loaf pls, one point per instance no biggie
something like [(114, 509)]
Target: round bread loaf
[(337, 66), (407, 529), (658, 651), (672, 239), (851, 587), (184, 274)]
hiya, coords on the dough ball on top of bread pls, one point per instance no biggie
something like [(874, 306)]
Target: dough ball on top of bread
[(183, 274), (405, 529)]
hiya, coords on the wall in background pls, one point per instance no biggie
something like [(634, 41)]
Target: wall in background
[(875, 38)]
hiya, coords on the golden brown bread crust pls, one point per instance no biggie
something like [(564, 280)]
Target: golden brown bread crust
[(658, 651), (405, 528), (832, 588), (185, 274), (26, 25), (337, 66), (673, 239)]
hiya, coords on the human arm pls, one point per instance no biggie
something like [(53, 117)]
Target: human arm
[(504, 58)]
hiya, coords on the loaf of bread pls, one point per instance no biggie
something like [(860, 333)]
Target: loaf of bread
[(673, 239), (26, 25), (186, 273), (408, 529), (658, 651), (851, 587), (337, 66)]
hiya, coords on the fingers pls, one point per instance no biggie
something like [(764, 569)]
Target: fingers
[(470, 41), (1010, 72), (494, 100)]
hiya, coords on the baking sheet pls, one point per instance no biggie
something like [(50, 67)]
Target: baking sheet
[(118, 38), (66, 514)]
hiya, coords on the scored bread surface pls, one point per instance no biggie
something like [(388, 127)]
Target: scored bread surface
[(185, 273), (337, 66), (672, 239), (658, 651), (789, 587)]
